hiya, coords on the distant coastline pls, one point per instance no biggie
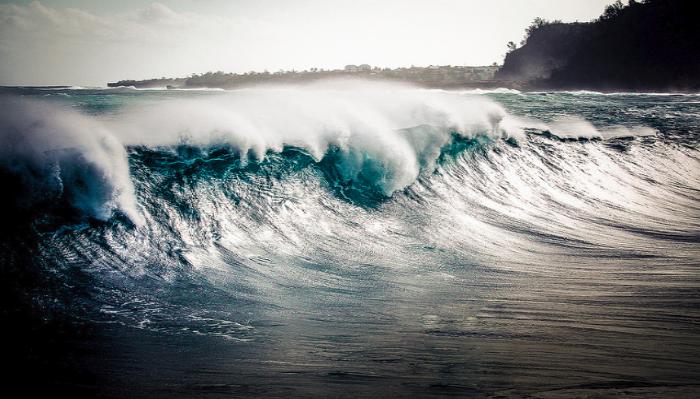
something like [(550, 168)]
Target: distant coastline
[(443, 77)]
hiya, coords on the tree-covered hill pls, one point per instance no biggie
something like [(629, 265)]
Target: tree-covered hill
[(647, 45)]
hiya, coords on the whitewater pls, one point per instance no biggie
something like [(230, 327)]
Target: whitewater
[(363, 236)]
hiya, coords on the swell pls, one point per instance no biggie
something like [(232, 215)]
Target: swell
[(369, 141), (249, 218), (564, 231), (378, 139), (182, 185), (249, 229), (588, 196)]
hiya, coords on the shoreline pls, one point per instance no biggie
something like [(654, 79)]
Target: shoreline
[(487, 89)]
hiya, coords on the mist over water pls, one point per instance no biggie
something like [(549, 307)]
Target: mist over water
[(369, 238)]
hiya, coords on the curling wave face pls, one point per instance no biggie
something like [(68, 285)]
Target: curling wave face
[(384, 136), (381, 138), (378, 138)]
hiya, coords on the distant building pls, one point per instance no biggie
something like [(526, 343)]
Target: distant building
[(356, 68)]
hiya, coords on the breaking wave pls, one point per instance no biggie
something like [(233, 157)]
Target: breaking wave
[(259, 188), (55, 156), (378, 139)]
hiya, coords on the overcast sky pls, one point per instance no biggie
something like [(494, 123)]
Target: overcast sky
[(83, 42)]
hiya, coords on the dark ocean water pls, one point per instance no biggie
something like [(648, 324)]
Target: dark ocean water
[(351, 240)]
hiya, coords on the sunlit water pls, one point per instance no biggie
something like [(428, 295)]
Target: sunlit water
[(344, 241)]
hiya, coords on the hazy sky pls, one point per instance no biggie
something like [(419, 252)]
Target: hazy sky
[(84, 42)]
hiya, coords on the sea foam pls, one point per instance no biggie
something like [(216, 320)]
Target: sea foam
[(396, 130), (58, 154), (388, 134)]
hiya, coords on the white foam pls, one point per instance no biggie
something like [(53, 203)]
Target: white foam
[(575, 127), (369, 123), (57, 152), (396, 131), (499, 90)]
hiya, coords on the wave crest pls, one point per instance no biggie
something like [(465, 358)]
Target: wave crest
[(367, 140), (54, 156), (384, 135)]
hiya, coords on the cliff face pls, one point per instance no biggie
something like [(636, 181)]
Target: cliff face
[(652, 45)]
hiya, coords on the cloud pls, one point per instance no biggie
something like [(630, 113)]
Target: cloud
[(159, 13), (156, 21), (37, 19), (42, 44)]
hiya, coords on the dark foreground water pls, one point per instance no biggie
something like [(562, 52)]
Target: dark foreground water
[(350, 240)]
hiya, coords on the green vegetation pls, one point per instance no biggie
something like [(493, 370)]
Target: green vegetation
[(644, 45), (432, 76)]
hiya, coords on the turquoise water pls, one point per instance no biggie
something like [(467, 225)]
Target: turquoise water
[(358, 240)]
